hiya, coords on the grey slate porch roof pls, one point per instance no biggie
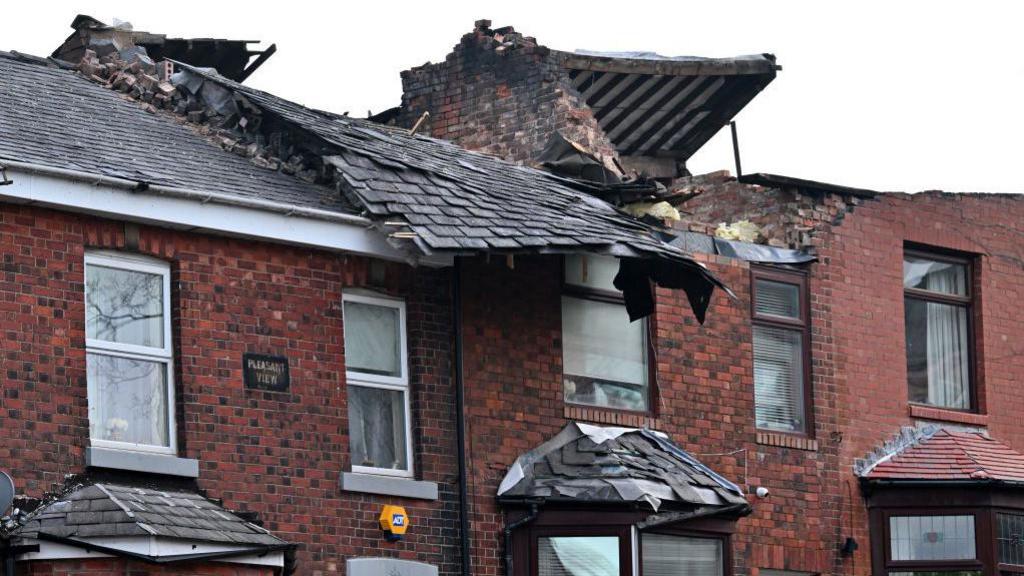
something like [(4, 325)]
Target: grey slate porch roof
[(602, 464), (103, 510)]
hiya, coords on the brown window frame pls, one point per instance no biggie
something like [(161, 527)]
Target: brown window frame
[(797, 277), (601, 521), (967, 301), (976, 563), (607, 296)]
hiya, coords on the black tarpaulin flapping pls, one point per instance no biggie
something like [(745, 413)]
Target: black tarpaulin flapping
[(637, 276)]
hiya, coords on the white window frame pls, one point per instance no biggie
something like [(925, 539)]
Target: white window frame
[(398, 383), (163, 355)]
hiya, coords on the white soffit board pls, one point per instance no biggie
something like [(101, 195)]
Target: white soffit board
[(186, 214)]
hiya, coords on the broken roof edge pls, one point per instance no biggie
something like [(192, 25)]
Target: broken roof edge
[(650, 63), (522, 470), (776, 181)]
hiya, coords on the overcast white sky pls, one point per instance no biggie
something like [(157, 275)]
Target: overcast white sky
[(884, 95)]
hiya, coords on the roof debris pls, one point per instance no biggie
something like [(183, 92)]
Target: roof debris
[(616, 465)]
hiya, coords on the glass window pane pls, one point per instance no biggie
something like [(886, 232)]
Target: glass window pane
[(938, 573), (604, 355), (373, 339), (578, 556), (777, 298), (914, 538), (1010, 537), (934, 276), (597, 272), (376, 427), (937, 357), (124, 306), (127, 400), (681, 556), (779, 379)]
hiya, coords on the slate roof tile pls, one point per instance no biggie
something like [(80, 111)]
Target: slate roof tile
[(606, 464), (55, 117), (174, 514)]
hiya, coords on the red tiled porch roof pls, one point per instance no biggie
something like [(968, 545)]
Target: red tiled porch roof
[(952, 455)]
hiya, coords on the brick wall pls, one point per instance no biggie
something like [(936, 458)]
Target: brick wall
[(785, 217), (276, 454), (705, 403), (502, 93), (860, 297)]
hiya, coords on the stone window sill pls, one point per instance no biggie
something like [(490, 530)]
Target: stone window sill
[(388, 486), (943, 415), (151, 463), (787, 441), (590, 414)]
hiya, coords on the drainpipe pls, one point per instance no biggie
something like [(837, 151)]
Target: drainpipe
[(509, 528), (460, 418)]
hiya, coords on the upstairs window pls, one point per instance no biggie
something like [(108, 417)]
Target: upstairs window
[(376, 368), (781, 339), (604, 355), (129, 359), (937, 310)]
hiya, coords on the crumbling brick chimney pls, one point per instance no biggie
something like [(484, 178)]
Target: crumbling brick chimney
[(502, 93)]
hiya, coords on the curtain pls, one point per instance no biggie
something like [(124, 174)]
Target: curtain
[(947, 344)]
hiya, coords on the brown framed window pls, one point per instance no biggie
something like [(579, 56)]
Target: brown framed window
[(781, 343), (933, 541), (605, 357), (589, 551), (937, 315)]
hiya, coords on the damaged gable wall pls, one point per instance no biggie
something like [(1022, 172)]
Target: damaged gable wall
[(502, 93), (785, 217)]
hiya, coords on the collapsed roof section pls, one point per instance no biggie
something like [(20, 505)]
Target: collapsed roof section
[(55, 117), (612, 465), (114, 519), (660, 106), (433, 197), (232, 58)]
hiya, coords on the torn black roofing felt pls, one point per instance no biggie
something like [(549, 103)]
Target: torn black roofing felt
[(56, 118), (601, 464), (445, 199), (104, 510)]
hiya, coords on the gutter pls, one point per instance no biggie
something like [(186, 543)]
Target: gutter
[(140, 186), (259, 551)]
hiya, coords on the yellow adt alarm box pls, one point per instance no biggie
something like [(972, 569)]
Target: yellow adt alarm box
[(394, 522)]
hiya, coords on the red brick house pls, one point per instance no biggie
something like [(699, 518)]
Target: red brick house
[(235, 329)]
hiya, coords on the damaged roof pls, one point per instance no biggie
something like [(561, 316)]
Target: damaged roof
[(940, 454), (230, 57), (445, 199), (56, 118), (587, 463), (101, 510), (653, 105)]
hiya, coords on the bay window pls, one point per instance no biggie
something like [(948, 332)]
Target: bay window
[(376, 361), (604, 355), (129, 358), (619, 551), (937, 311), (781, 342)]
